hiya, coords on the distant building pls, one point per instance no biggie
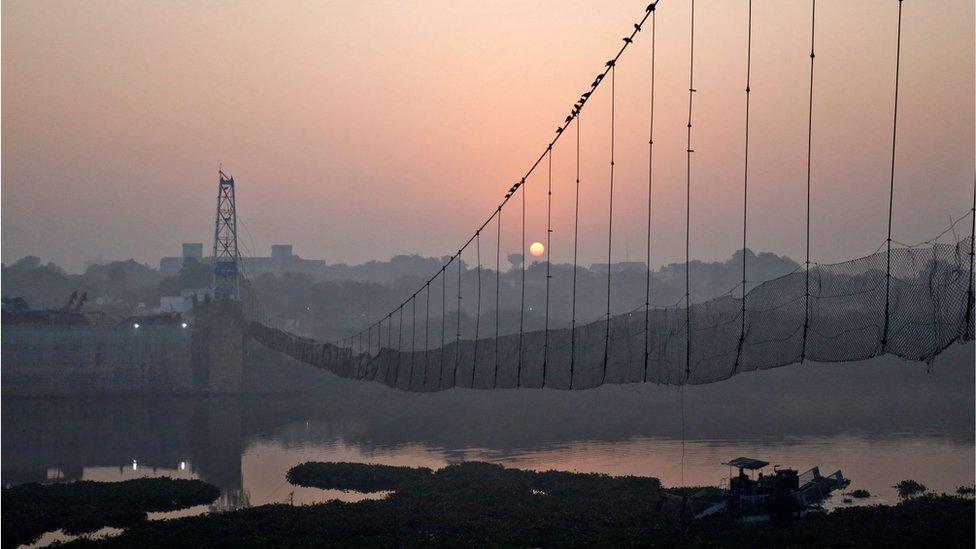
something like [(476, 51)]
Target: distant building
[(282, 251), (283, 260), (192, 249), (183, 303), (170, 266)]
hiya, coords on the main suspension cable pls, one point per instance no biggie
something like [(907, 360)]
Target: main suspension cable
[(574, 113)]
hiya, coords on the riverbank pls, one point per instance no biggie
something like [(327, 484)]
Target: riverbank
[(479, 504), (30, 510)]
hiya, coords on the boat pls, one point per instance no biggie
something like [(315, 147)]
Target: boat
[(754, 496)]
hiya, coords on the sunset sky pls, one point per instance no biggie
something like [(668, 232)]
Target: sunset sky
[(357, 130)]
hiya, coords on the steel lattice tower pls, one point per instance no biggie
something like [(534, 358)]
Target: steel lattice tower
[(226, 257)]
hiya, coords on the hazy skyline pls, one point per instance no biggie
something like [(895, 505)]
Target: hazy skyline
[(360, 130)]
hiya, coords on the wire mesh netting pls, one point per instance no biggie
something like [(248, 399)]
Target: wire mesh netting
[(842, 312)]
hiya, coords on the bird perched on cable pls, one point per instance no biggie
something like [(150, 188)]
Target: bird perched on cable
[(637, 26), (628, 39), (611, 63)]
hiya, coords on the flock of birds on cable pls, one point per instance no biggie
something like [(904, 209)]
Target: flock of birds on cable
[(578, 106)]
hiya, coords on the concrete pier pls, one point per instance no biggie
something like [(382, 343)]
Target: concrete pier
[(219, 346)]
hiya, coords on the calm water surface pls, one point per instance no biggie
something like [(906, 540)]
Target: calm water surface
[(919, 426)]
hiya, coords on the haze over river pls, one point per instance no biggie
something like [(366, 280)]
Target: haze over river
[(879, 421)]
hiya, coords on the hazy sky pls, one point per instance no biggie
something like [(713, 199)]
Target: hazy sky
[(359, 129)]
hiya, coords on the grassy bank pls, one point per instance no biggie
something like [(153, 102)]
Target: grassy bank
[(29, 510), (478, 504)]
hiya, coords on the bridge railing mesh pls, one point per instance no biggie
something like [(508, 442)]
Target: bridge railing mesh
[(838, 313)]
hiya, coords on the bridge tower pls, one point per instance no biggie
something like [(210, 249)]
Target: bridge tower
[(226, 257)]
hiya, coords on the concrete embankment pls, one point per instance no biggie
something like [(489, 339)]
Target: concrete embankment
[(205, 356), (93, 360)]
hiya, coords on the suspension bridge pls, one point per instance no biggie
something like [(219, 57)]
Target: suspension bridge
[(910, 301)]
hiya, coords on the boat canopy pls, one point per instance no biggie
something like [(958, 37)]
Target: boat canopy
[(747, 463)]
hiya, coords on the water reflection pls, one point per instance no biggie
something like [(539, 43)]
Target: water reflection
[(880, 422)]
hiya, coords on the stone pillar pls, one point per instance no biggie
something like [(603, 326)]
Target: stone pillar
[(218, 346)]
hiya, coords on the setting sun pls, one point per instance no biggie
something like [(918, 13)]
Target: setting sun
[(537, 249)]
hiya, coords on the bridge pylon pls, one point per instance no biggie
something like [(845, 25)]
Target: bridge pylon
[(226, 256)]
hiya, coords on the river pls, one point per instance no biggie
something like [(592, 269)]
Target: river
[(879, 422)]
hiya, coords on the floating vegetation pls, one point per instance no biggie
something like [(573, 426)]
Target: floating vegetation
[(29, 510), (860, 494), (360, 477), (909, 488), (486, 505), (966, 490)]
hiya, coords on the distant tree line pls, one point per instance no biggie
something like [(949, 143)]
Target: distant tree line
[(348, 298)]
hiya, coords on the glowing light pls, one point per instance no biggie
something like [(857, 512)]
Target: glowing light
[(136, 325), (135, 465), (182, 466), (185, 324), (537, 249)]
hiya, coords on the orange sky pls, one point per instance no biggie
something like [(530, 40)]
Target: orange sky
[(357, 130)]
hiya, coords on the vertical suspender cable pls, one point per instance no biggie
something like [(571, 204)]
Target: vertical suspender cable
[(613, 143), (498, 281), (545, 344), (891, 188), (518, 374), (426, 334), (380, 345), (440, 366), (806, 294), (457, 344), (413, 337), (745, 194), (396, 378), (477, 320), (572, 335), (650, 171), (681, 388), (389, 346), (972, 264), (691, 92)]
